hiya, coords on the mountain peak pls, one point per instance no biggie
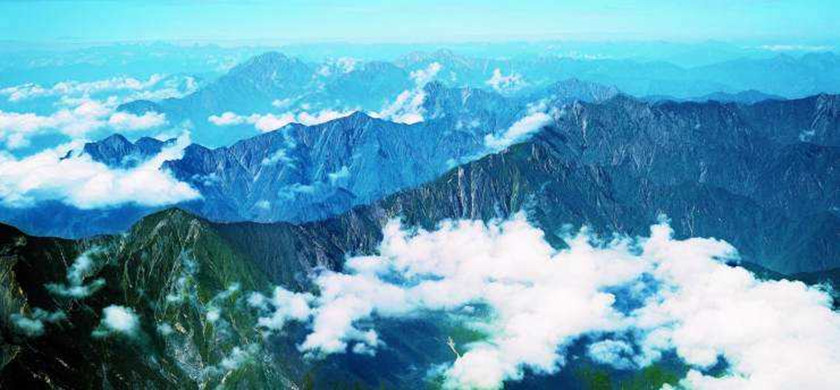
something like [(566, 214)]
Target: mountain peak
[(271, 60), (116, 150)]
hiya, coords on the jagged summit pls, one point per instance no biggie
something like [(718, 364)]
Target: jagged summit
[(118, 151), (269, 63)]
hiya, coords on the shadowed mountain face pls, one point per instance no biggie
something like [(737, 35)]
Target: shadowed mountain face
[(615, 166), (117, 151), (729, 170), (186, 283), (160, 280)]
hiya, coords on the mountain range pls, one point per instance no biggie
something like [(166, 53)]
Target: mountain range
[(132, 296), (630, 160), (174, 269), (276, 83)]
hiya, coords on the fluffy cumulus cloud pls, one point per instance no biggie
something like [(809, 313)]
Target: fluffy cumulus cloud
[(706, 310), (270, 122), (408, 106), (283, 306), (118, 320), (534, 120), (77, 180), (632, 298), (85, 107), (505, 84), (80, 118)]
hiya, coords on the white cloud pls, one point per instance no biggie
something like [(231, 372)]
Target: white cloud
[(270, 122), (347, 64), (518, 131), (75, 287), (319, 117), (226, 119), (29, 327), (424, 76), (293, 190), (408, 106), (156, 87), (278, 156), (127, 121), (616, 353), (165, 329), (170, 87), (339, 175), (64, 88), (341, 65), (772, 334), (505, 84), (33, 326), (706, 309), (282, 307), (213, 315), (83, 117), (87, 184), (118, 319), (237, 358), (85, 107)]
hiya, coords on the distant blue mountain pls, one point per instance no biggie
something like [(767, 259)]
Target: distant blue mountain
[(259, 84), (118, 151), (302, 173), (272, 77), (748, 97)]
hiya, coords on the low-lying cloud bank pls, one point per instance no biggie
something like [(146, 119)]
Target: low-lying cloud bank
[(79, 120), (77, 180), (631, 298), (85, 108), (157, 86)]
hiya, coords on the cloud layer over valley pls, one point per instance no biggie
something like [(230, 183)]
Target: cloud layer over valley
[(80, 110), (63, 174), (633, 299)]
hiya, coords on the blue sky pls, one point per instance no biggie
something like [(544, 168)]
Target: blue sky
[(413, 21)]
